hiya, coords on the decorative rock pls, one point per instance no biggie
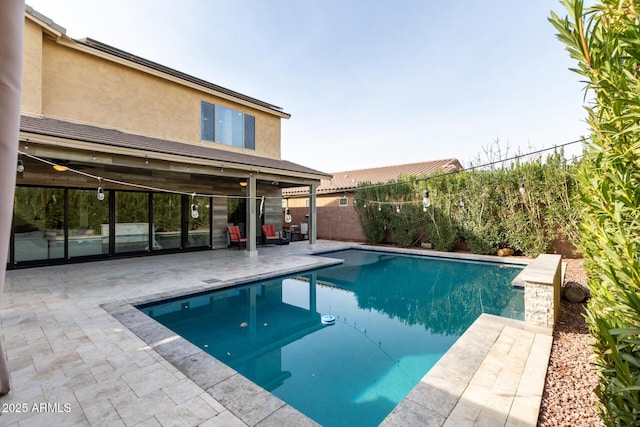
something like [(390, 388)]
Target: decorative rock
[(505, 252), (575, 292)]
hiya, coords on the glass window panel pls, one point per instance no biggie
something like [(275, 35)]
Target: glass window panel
[(199, 228), (167, 214), (206, 121), (249, 132), (38, 223), (229, 126), (132, 221), (88, 223)]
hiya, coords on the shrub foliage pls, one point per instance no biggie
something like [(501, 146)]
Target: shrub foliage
[(605, 42), (483, 208)]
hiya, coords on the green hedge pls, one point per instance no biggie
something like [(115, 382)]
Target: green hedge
[(483, 208)]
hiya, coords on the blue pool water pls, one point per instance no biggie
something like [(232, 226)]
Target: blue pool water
[(395, 317)]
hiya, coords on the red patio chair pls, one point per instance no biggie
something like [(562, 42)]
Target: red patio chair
[(269, 235), (235, 239)]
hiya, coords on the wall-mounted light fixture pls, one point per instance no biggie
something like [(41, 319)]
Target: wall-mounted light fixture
[(60, 168), (243, 183)]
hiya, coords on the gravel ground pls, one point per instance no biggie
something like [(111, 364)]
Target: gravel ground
[(569, 398)]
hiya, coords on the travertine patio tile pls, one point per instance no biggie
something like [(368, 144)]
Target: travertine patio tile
[(114, 389), (223, 419), (408, 413), (138, 409), (182, 390), (149, 422), (245, 399), (191, 413), (148, 379), (217, 406), (101, 412)]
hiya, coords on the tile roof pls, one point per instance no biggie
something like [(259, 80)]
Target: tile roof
[(349, 180), (98, 135)]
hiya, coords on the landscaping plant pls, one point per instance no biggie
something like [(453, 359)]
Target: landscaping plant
[(605, 42), (484, 208)]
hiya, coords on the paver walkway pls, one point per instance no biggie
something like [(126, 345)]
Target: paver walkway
[(73, 363)]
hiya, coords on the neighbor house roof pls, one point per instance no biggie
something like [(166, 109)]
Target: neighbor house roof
[(93, 134), (349, 180)]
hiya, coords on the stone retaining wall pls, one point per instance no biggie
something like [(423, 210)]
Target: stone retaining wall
[(542, 281)]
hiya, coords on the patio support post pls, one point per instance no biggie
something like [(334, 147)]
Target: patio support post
[(251, 218), (313, 212), (11, 45)]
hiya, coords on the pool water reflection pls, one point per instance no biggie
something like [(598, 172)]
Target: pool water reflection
[(395, 317)]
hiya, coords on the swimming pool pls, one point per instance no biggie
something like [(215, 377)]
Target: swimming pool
[(395, 317)]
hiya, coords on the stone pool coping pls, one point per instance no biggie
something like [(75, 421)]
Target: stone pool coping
[(494, 374)]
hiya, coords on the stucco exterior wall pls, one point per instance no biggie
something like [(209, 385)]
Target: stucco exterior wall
[(68, 83), (32, 69)]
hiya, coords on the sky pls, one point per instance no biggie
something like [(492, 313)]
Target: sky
[(368, 83)]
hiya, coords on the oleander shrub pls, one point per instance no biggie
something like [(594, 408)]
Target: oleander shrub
[(483, 208), (605, 42)]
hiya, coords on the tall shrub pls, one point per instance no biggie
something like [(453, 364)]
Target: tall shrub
[(483, 208), (605, 42)]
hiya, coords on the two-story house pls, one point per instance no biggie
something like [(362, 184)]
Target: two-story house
[(119, 155)]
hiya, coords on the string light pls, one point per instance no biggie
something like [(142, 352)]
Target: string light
[(434, 176), (194, 208), (140, 186), (100, 190), (426, 200), (261, 206)]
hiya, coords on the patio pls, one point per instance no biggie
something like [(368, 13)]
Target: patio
[(73, 362)]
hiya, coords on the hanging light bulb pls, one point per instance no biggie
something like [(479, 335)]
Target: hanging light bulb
[(461, 202), (522, 189), (100, 190), (287, 216), (426, 200), (20, 167), (397, 208), (379, 207), (261, 206), (194, 208)]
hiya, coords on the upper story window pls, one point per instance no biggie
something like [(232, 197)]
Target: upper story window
[(227, 126)]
